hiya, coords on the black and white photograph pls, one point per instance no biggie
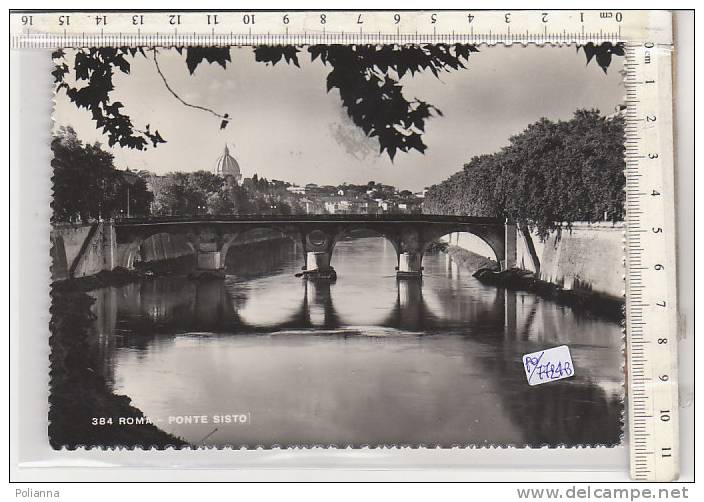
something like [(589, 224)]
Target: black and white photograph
[(338, 245)]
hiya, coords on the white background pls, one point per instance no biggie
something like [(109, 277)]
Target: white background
[(28, 193)]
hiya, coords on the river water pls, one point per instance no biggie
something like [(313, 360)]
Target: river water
[(367, 360)]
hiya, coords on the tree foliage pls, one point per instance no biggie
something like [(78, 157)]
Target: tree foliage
[(553, 173), (465, 192), (367, 77), (86, 184), (603, 52), (201, 192), (92, 84)]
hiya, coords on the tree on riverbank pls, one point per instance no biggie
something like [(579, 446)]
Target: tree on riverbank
[(551, 174), (202, 192), (87, 186), (560, 172)]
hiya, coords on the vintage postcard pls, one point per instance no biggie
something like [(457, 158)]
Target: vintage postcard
[(338, 245)]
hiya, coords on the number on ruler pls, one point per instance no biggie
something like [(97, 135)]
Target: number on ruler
[(657, 348)]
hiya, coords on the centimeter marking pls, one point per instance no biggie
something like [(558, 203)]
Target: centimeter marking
[(650, 264), (651, 338), (34, 29)]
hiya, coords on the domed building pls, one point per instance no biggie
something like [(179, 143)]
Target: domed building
[(227, 166)]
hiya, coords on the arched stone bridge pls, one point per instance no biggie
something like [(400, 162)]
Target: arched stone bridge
[(410, 234)]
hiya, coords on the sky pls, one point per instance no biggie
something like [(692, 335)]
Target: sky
[(286, 126)]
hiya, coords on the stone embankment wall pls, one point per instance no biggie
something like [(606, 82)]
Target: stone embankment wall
[(470, 260), (80, 250), (589, 257)]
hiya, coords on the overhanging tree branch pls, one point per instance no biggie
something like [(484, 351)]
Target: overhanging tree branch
[(225, 117), (368, 78)]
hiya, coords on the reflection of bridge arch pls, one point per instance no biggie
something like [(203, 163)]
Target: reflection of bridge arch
[(176, 305)]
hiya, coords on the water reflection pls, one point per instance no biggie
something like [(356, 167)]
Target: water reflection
[(365, 360)]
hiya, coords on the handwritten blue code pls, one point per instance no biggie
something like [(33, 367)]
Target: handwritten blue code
[(548, 365)]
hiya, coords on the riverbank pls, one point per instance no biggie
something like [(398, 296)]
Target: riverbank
[(83, 411), (78, 392), (524, 280), (117, 277), (469, 260), (487, 272)]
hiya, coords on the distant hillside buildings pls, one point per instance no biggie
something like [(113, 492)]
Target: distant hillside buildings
[(370, 198)]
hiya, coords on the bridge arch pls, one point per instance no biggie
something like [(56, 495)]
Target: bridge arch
[(355, 231), (258, 232), (255, 235), (493, 241), (159, 246), (410, 235)]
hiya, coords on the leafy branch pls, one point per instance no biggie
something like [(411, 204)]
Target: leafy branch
[(367, 77), (368, 80), (94, 68), (603, 52)]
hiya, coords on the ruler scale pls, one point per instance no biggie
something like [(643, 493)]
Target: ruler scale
[(651, 267), (651, 339)]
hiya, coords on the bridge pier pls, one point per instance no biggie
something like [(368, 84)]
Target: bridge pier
[(509, 246), (318, 261), (409, 265), (208, 258)]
